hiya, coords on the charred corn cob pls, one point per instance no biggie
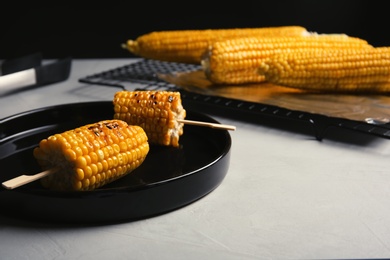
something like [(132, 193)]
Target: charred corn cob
[(187, 46), (235, 61), (347, 70), (157, 112), (91, 156)]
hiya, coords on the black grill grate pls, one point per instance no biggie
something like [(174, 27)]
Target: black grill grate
[(145, 72)]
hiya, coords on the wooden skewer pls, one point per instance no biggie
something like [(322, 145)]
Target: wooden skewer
[(212, 125), (24, 179)]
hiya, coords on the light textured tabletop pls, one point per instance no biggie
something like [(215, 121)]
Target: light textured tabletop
[(286, 196)]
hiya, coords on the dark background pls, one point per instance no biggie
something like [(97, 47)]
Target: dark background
[(98, 30)]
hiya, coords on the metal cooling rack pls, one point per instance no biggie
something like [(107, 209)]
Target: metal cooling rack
[(144, 72)]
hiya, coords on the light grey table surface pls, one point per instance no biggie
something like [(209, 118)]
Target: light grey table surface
[(286, 196)]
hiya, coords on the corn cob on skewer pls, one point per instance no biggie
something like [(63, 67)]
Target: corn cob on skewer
[(187, 46), (347, 70), (90, 156), (157, 112), (235, 61)]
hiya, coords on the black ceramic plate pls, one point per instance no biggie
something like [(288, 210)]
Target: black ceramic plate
[(168, 179)]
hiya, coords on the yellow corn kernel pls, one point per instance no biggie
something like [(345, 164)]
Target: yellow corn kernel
[(187, 46), (235, 61), (157, 112), (90, 169), (347, 70)]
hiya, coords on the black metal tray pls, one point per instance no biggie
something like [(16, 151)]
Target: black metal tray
[(168, 179), (146, 72)]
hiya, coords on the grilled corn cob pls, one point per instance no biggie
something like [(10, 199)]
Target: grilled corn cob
[(235, 61), (354, 70), (91, 156), (187, 46), (157, 112)]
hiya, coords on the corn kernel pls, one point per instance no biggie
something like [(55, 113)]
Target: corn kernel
[(81, 162), (79, 174), (70, 155)]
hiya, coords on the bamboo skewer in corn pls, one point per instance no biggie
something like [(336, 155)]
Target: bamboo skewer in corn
[(87, 157), (25, 179), (207, 124)]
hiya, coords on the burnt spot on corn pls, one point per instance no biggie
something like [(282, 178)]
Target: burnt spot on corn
[(94, 130), (111, 125)]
